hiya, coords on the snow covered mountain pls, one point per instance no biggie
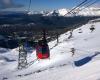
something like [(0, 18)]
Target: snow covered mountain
[(83, 64), (78, 12), (59, 12), (90, 12)]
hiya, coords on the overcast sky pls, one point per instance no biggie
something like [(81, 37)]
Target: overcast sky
[(37, 5)]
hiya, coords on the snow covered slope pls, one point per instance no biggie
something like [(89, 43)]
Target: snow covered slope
[(63, 64)]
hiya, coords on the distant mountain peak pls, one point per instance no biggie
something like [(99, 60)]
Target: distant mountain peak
[(92, 11)]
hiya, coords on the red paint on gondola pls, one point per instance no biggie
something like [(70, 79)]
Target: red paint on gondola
[(42, 51), (42, 48)]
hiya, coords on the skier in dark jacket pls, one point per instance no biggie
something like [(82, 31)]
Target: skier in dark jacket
[(92, 28)]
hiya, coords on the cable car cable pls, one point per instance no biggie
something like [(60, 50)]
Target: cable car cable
[(84, 4), (77, 6), (29, 6), (89, 5)]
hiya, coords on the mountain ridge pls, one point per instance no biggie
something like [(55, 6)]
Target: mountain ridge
[(92, 11)]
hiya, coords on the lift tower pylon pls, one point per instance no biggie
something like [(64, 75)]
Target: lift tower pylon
[(22, 59)]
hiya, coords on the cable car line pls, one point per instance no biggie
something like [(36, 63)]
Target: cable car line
[(91, 4), (77, 6), (84, 4), (29, 6), (87, 3)]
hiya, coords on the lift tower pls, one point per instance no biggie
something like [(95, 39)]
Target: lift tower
[(22, 59)]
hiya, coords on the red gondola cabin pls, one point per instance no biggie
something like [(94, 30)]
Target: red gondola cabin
[(42, 50)]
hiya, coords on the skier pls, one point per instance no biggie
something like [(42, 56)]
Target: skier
[(92, 28), (71, 33), (73, 51), (80, 31)]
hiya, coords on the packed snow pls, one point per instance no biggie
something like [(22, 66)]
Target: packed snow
[(82, 64)]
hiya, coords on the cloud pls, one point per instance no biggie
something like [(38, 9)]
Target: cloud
[(4, 4)]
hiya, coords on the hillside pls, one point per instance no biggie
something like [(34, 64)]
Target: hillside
[(63, 64)]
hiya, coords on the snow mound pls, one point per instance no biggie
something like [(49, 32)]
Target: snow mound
[(5, 59), (3, 50)]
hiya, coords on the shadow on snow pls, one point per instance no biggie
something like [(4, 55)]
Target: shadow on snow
[(85, 60)]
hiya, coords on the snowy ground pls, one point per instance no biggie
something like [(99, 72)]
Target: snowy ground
[(83, 65)]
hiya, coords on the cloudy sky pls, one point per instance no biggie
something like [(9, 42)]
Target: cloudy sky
[(39, 4)]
